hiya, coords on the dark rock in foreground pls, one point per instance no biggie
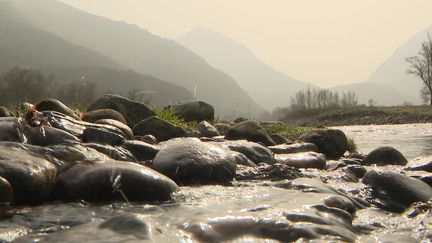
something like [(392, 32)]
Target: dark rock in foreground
[(113, 180), (132, 111), (251, 131), (398, 190), (331, 142), (189, 160), (385, 156), (30, 176)]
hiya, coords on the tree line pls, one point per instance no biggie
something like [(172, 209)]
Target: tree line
[(21, 84), (315, 101)]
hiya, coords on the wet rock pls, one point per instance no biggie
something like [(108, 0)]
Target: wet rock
[(385, 156), (113, 180), (279, 139), (66, 155), (302, 160), (207, 130), (194, 111), (222, 128), (253, 151), (293, 148), (357, 171), (132, 111), (251, 131), (150, 139), (159, 128), (341, 202), (31, 177), (94, 115), (272, 172), (331, 142), (397, 188), (11, 129), (233, 228), (4, 112), (116, 153), (141, 150), (46, 136), (65, 123), (6, 192), (189, 160), (55, 105), (102, 136), (129, 224), (126, 130)]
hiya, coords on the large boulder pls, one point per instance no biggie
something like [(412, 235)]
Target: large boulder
[(189, 161), (400, 189), (385, 156), (55, 105), (133, 111), (113, 180), (194, 111), (30, 176), (95, 115), (159, 128), (331, 142), (251, 131)]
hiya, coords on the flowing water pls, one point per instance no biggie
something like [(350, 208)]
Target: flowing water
[(413, 140), (248, 211)]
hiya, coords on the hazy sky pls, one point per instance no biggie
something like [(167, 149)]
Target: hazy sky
[(326, 42)]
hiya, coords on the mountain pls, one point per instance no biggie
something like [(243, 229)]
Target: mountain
[(142, 51), (267, 86), (24, 44), (381, 94), (393, 71)]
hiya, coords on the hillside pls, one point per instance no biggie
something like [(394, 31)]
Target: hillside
[(142, 51), (393, 71), (381, 94), (23, 44), (267, 86)]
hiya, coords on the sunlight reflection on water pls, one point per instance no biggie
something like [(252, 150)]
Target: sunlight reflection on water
[(413, 140)]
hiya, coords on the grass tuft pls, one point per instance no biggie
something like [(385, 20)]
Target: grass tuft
[(289, 131), (169, 115)]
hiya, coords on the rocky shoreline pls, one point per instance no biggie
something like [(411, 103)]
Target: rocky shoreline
[(119, 152)]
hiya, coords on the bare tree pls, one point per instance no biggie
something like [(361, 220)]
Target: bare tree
[(421, 67)]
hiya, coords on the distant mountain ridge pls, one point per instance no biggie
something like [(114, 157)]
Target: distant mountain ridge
[(142, 51), (267, 86), (393, 71), (22, 44)]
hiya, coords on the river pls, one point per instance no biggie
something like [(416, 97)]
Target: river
[(248, 211), (413, 140)]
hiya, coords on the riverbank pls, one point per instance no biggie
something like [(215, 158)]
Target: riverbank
[(364, 115)]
